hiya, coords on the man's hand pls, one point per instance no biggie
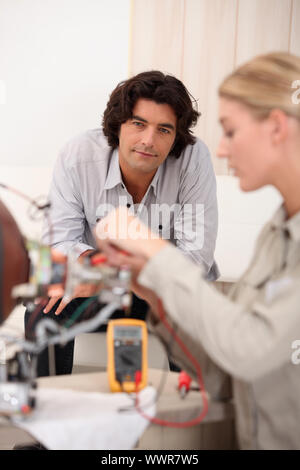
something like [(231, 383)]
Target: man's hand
[(83, 290)]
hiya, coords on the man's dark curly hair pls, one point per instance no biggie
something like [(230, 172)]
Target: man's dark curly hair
[(155, 86)]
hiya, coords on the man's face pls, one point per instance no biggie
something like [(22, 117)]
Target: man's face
[(146, 139)]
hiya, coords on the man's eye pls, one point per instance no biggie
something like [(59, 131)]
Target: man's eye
[(164, 130), (138, 123)]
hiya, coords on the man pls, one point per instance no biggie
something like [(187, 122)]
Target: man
[(144, 157)]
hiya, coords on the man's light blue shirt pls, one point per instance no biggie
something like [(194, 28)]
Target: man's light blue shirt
[(180, 203)]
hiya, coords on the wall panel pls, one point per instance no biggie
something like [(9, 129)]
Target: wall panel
[(201, 41), (295, 28), (209, 50), (157, 36), (263, 26)]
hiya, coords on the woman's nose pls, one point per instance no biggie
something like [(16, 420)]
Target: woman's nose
[(222, 150)]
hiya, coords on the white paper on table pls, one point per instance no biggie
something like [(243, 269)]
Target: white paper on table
[(70, 420)]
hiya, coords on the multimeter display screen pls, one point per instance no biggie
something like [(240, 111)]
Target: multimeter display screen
[(128, 333)]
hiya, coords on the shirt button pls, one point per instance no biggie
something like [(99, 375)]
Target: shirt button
[(160, 227), (128, 205)]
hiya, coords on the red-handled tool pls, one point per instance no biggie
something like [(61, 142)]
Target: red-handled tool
[(98, 259), (184, 382)]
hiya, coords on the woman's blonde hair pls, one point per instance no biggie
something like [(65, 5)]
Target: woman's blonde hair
[(265, 83)]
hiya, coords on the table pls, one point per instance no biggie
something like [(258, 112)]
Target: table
[(215, 432)]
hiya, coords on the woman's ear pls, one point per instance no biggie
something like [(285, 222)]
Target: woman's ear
[(279, 122)]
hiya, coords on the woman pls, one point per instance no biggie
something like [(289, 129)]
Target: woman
[(251, 332)]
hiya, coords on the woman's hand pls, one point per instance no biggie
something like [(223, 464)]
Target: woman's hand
[(128, 233), (118, 258), (126, 241)]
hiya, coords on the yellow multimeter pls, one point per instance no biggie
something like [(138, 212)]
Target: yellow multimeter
[(127, 354)]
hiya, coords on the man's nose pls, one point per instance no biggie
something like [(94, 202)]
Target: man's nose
[(148, 137)]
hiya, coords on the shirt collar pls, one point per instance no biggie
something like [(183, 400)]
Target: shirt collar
[(114, 176), (292, 225), (155, 179)]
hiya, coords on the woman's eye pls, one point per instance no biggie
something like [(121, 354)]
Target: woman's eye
[(229, 134)]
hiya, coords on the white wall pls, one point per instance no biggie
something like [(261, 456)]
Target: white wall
[(242, 216), (59, 60)]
